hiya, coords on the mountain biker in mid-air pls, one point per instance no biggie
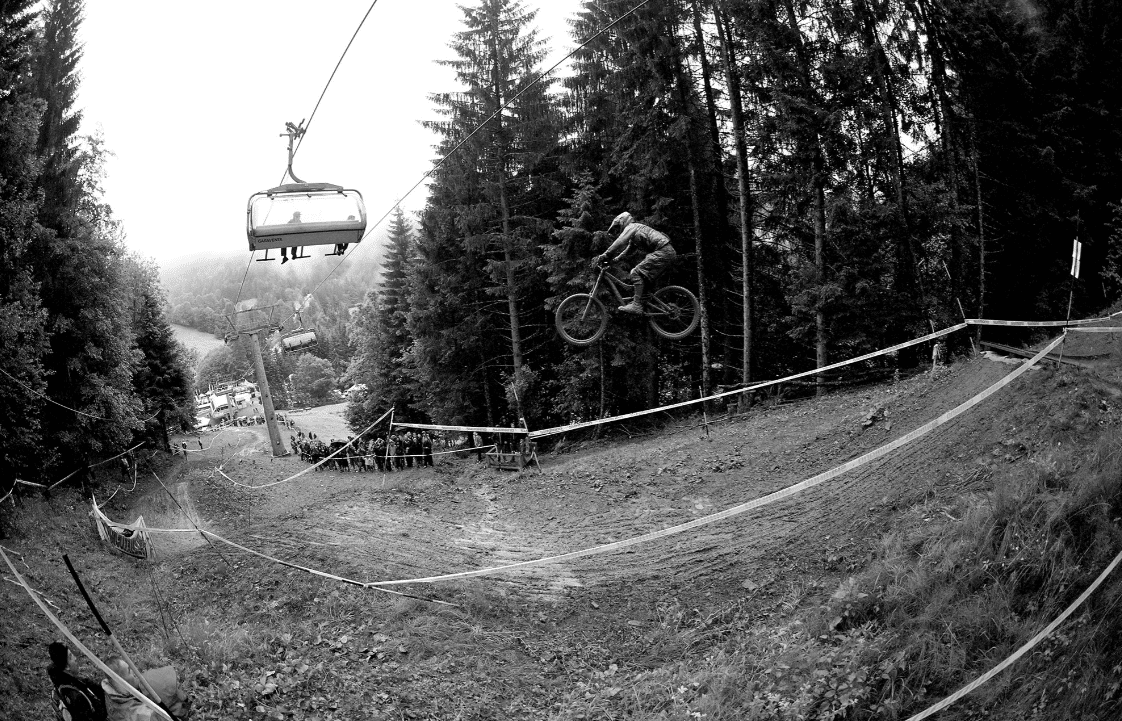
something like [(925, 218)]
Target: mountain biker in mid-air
[(645, 239)]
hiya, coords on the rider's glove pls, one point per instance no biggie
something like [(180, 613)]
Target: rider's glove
[(601, 259)]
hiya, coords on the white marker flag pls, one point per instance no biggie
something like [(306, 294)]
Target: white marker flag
[(1076, 257)]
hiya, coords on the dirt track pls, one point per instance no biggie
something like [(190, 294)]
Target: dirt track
[(462, 516)]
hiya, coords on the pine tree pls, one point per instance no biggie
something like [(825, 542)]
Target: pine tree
[(489, 199), (381, 338), (78, 265), (23, 336)]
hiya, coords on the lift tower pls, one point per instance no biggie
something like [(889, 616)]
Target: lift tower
[(251, 321)]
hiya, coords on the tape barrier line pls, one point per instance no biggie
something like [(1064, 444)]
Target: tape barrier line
[(212, 440), (755, 503), (834, 366), (309, 468), (1044, 633), (91, 467), (1111, 329), (117, 680), (289, 564), (465, 429), (9, 495), (29, 483), (1038, 323)]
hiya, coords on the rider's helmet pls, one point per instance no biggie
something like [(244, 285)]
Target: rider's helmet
[(622, 220)]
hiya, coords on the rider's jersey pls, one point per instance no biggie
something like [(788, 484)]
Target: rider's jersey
[(644, 238)]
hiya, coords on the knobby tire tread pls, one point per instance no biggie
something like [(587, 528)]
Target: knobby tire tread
[(598, 307), (674, 289)]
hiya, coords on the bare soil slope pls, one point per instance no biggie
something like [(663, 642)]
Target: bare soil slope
[(520, 644)]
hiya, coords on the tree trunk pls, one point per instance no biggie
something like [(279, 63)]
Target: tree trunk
[(818, 182), (905, 270), (820, 268), (508, 240), (939, 82), (981, 238), (719, 190), (695, 203), (745, 201), (487, 397)]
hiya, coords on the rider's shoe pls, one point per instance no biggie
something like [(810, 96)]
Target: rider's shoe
[(636, 304)]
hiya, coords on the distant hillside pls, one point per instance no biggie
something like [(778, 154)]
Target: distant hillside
[(203, 288), (196, 340)]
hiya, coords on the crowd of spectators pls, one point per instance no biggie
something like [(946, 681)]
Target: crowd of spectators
[(383, 454)]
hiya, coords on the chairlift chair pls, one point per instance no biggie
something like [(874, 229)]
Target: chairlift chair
[(298, 340), (303, 214), (299, 214)]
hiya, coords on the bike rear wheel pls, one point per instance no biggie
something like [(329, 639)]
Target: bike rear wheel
[(581, 319), (673, 312)]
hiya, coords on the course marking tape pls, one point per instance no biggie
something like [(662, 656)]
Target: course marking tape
[(309, 468), (739, 391), (1037, 323), (466, 429), (1111, 329), (92, 466), (118, 681), (1047, 631)]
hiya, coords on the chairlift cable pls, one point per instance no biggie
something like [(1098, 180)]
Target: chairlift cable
[(328, 85), (244, 276), (49, 400), (470, 135), (504, 106)]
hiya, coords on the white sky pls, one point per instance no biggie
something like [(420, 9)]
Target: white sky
[(192, 98)]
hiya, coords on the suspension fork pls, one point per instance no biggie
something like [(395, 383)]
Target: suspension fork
[(592, 293)]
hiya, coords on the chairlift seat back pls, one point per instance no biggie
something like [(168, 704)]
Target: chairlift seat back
[(302, 214), (298, 340)]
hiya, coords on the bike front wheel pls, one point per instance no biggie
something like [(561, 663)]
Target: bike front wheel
[(673, 312), (581, 319)]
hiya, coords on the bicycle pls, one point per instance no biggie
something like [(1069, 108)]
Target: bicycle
[(581, 319)]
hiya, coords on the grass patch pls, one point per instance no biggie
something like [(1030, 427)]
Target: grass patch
[(951, 592)]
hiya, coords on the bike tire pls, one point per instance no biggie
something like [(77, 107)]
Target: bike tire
[(683, 316), (578, 330)]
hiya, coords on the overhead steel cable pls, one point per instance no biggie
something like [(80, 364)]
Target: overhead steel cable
[(31, 390), (328, 85), (479, 127), (244, 276)]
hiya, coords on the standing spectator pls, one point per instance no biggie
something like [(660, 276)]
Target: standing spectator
[(478, 441), (414, 449), (392, 459), (426, 449), (379, 445)]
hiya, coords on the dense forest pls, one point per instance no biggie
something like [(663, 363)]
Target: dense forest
[(88, 362), (835, 175), (202, 290)]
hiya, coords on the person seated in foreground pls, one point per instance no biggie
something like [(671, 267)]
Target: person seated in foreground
[(121, 705), (75, 698)]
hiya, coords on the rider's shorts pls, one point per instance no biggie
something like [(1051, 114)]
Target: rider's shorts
[(656, 263)]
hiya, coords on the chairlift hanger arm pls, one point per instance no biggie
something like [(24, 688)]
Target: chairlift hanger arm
[(293, 132)]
